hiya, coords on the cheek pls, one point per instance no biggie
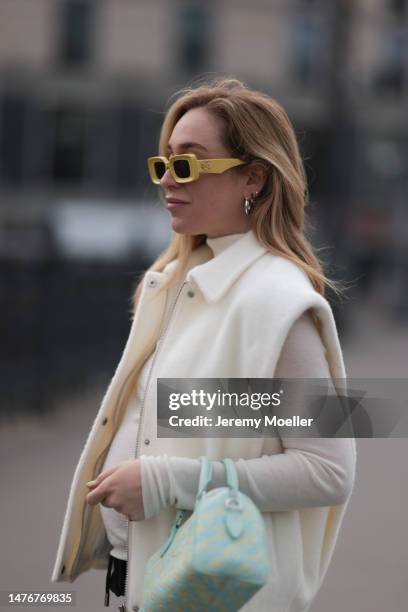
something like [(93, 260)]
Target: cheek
[(214, 188), (204, 193), (216, 193)]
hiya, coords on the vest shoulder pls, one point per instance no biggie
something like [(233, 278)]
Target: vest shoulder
[(276, 289)]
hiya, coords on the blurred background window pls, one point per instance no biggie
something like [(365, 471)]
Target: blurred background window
[(69, 143), (75, 28), (12, 120), (129, 117), (398, 7), (194, 34), (390, 76), (306, 47)]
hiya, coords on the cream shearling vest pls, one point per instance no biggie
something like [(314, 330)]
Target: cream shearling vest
[(230, 318)]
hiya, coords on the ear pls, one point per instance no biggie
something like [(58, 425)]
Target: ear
[(256, 177)]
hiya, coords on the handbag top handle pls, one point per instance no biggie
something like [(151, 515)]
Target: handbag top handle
[(232, 476), (206, 475)]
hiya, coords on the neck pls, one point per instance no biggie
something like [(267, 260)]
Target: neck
[(219, 234)]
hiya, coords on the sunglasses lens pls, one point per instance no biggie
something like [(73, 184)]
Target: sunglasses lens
[(181, 168), (159, 168)]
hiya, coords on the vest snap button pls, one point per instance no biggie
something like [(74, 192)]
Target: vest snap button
[(152, 282), (190, 293), (105, 420), (147, 441)]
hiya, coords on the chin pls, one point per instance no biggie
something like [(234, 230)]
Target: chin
[(184, 228)]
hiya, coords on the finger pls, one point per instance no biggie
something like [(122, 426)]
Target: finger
[(96, 496), (103, 475)]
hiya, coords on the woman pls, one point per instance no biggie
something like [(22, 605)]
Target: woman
[(238, 293)]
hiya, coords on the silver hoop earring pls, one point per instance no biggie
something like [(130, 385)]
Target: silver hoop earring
[(248, 206), (249, 203)]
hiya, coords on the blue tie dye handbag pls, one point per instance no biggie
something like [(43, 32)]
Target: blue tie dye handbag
[(215, 560)]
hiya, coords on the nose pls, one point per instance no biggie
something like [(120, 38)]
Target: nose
[(167, 180)]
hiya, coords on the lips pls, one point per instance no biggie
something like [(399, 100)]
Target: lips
[(175, 201)]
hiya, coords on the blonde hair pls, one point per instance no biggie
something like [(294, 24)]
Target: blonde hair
[(256, 129)]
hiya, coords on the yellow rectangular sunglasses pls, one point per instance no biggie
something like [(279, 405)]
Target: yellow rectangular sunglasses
[(187, 168)]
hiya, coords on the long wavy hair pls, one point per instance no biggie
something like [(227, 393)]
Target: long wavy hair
[(255, 129)]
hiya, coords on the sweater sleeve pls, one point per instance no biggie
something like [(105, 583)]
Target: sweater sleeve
[(309, 472)]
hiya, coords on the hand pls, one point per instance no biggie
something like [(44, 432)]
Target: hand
[(120, 488)]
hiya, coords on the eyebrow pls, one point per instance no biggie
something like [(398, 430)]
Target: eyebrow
[(188, 145)]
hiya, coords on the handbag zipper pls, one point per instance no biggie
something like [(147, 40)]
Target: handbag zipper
[(122, 607)]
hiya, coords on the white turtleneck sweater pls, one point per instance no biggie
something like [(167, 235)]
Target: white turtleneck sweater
[(275, 483)]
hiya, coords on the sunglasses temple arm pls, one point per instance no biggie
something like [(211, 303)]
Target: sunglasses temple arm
[(217, 166)]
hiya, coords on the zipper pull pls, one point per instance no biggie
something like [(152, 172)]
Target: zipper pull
[(179, 518)]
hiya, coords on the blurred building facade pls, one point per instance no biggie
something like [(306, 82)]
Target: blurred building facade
[(83, 85), (83, 89)]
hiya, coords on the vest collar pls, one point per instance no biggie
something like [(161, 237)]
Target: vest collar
[(215, 277)]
